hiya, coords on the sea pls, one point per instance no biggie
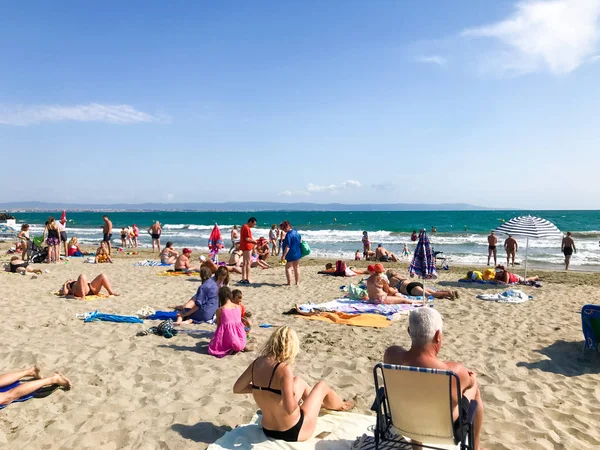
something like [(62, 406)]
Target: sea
[(460, 235)]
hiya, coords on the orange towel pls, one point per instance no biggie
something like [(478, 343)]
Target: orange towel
[(358, 320), (173, 274)]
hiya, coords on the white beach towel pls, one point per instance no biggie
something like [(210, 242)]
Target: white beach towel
[(344, 429), (510, 296)]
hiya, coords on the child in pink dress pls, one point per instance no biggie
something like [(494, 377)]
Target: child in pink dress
[(230, 336)]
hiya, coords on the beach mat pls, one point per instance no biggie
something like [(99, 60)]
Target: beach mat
[(356, 320), (175, 274), (166, 315), (150, 263), (339, 431), (40, 393), (349, 306), (87, 297)]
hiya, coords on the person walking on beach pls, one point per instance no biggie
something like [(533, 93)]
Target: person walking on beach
[(235, 237), (107, 232), (155, 231), (512, 247), (492, 242), (425, 330), (246, 246), (568, 247), (292, 252)]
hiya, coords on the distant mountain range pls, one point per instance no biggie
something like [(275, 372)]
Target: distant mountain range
[(238, 206)]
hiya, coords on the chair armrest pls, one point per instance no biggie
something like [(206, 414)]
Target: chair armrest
[(472, 410), (379, 398)]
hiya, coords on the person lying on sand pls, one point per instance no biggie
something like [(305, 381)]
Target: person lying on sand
[(380, 291), (425, 330), (207, 262), (290, 407), (29, 387), (414, 288), (348, 271), (80, 288), (504, 276), (17, 265)]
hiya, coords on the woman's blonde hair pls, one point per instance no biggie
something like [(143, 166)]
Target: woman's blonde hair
[(72, 241), (282, 346)]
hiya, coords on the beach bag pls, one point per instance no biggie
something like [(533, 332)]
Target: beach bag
[(357, 293), (340, 268), (304, 248)]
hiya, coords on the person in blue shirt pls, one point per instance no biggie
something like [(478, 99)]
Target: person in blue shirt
[(292, 252), (203, 306)]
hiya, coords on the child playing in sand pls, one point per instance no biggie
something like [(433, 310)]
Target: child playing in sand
[(236, 297), (230, 336), (357, 255)]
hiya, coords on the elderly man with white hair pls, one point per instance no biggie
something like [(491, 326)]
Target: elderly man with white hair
[(425, 330)]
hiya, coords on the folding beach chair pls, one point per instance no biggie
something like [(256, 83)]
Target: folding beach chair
[(416, 403), (590, 322)]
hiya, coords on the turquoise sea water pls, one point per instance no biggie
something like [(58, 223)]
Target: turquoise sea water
[(460, 234)]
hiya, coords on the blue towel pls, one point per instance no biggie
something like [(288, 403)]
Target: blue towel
[(96, 316), (42, 392), (166, 315)]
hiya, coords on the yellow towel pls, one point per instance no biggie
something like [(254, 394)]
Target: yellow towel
[(87, 297), (358, 320), (172, 274)]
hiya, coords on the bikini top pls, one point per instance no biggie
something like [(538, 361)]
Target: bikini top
[(268, 388)]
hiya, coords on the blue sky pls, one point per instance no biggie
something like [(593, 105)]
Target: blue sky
[(489, 103)]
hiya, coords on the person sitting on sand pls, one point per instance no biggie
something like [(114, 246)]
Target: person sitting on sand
[(203, 306), (29, 387), (290, 407), (504, 276), (383, 255), (168, 255), (262, 249), (230, 336), (80, 288), (256, 261), (74, 249), (236, 297), (182, 263), (414, 288), (235, 259), (102, 255), (17, 265), (425, 330), (380, 291), (348, 271), (207, 262)]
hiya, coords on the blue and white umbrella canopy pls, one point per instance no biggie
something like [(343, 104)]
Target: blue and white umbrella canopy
[(5, 230), (423, 262), (529, 227)]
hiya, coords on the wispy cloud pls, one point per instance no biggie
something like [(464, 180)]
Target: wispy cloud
[(315, 188), (286, 194), (387, 186), (21, 115), (433, 59), (556, 36)]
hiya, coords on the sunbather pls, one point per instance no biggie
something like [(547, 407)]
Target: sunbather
[(504, 276), (384, 255), (425, 330), (29, 387), (80, 288), (414, 288), (278, 393), (348, 272), (207, 262), (17, 265), (168, 255), (380, 291), (102, 254), (182, 263)]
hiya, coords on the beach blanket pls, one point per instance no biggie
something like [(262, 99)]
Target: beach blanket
[(357, 320), (95, 316), (339, 430), (171, 273), (349, 306), (40, 393), (166, 315), (149, 263), (510, 296), (468, 280), (87, 297)]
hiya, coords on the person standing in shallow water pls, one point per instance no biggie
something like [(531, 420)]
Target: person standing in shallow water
[(512, 247), (568, 247), (492, 242)]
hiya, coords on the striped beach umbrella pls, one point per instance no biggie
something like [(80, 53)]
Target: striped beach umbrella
[(529, 227), (6, 231), (423, 262)]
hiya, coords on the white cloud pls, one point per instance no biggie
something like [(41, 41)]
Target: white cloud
[(21, 115), (286, 193), (315, 188), (556, 36), (433, 59)]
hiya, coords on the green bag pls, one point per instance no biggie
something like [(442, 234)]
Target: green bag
[(304, 248), (357, 293)]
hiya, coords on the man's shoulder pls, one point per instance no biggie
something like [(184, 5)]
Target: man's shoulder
[(394, 354)]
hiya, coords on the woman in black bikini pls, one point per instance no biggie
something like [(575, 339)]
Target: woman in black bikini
[(414, 288), (80, 288), (289, 406)]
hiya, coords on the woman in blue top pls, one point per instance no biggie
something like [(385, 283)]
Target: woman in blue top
[(203, 306), (292, 252)]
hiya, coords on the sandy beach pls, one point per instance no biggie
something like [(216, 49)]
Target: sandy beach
[(150, 392)]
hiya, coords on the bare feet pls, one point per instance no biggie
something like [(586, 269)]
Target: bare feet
[(62, 381), (35, 372)]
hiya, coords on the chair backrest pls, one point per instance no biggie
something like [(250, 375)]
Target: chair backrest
[(590, 322), (420, 402)]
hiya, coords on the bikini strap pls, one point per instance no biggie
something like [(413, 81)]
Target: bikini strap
[(252, 373), (272, 374)]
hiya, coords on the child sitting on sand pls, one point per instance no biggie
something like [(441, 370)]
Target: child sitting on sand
[(230, 336), (236, 297), (357, 255)]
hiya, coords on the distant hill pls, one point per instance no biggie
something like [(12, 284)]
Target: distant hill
[(239, 206)]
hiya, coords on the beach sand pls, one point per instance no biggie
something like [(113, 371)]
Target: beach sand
[(153, 393)]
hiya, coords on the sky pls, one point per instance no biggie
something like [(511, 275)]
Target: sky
[(489, 103)]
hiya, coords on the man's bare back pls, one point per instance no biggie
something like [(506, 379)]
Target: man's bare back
[(510, 244)]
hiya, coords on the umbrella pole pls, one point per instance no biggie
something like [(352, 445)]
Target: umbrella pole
[(526, 251)]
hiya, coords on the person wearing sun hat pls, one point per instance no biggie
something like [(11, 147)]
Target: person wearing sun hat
[(380, 291), (182, 264)]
